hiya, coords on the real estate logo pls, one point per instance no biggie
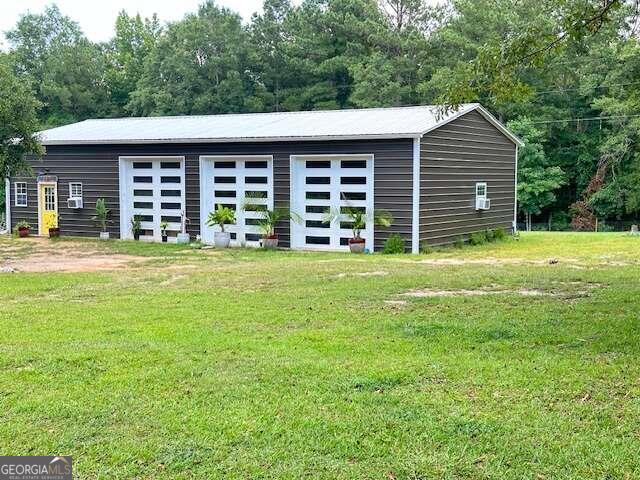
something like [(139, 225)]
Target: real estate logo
[(36, 468)]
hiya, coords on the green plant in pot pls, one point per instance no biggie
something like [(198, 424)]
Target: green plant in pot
[(269, 219), (220, 217), (358, 218), (163, 232), (101, 218), (136, 227), (23, 228)]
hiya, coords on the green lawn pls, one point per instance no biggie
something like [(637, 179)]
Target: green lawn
[(253, 364)]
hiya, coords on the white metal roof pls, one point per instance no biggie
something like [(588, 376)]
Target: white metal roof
[(374, 123)]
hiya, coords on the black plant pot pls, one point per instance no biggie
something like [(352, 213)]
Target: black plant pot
[(165, 238), (136, 236)]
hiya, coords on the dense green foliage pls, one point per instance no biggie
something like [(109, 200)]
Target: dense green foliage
[(394, 244), (537, 180), (564, 73), (221, 216), (254, 364), (18, 122)]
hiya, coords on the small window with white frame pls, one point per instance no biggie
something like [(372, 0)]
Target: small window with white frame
[(75, 190), (482, 202), (21, 194), (481, 190)]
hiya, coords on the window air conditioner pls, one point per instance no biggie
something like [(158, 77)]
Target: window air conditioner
[(483, 204), (74, 203)]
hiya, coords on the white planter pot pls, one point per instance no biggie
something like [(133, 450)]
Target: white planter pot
[(183, 238), (104, 235), (221, 239)]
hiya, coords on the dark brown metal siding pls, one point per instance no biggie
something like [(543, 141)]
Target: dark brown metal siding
[(97, 168), (30, 212), (98, 174), (453, 159)]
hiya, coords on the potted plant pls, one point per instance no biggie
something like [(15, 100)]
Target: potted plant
[(136, 227), (358, 217), (220, 217), (163, 231), (23, 228), (101, 218), (183, 237), (52, 218), (269, 219)]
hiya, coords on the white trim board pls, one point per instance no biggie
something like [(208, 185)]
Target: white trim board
[(310, 138), (7, 205), (515, 198), (415, 217)]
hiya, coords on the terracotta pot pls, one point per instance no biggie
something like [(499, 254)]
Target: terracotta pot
[(356, 245), (54, 232), (270, 242), (23, 232)]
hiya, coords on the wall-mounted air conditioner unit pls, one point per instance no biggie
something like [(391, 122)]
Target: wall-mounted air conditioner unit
[(483, 204), (74, 203)]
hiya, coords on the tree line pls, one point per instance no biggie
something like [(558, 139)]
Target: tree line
[(563, 75)]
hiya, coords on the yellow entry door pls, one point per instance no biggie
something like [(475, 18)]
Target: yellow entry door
[(47, 207)]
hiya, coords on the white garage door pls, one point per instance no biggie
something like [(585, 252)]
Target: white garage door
[(153, 190), (334, 182), (229, 181)]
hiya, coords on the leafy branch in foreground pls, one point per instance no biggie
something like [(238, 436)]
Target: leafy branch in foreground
[(496, 70)]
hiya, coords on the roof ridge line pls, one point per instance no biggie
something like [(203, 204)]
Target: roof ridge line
[(297, 112)]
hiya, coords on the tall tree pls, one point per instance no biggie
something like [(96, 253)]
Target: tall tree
[(134, 40), (271, 37), (537, 181), (198, 66), (66, 69), (620, 152), (399, 56), (18, 122)]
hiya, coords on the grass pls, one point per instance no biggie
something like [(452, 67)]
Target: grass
[(255, 364)]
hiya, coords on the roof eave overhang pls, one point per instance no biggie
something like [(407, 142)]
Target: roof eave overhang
[(233, 140)]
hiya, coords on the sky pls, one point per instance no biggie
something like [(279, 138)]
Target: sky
[(97, 18)]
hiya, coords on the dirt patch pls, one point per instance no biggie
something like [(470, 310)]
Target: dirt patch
[(429, 292), (495, 262), (41, 255), (561, 290), (342, 260), (361, 274), (396, 305), (40, 263)]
